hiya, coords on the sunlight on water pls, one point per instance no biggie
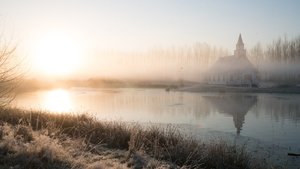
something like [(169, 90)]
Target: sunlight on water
[(58, 100), (271, 118)]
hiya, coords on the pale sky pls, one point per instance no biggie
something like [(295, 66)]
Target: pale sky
[(136, 23), (141, 24)]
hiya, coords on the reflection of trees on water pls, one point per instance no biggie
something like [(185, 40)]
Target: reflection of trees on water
[(166, 103), (157, 103), (235, 105), (279, 107), (192, 108)]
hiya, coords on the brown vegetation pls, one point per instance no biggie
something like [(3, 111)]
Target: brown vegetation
[(171, 148)]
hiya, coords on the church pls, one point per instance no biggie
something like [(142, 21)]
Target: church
[(235, 70)]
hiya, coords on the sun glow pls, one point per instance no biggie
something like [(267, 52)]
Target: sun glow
[(57, 101), (57, 53)]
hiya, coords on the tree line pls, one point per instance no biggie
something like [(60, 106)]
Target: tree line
[(186, 62), (278, 61)]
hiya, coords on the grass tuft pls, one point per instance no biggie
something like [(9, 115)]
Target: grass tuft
[(25, 132)]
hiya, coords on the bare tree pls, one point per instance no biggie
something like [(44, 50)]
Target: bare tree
[(256, 55), (279, 60), (10, 72)]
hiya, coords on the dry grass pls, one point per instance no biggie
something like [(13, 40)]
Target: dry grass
[(150, 147), (18, 149)]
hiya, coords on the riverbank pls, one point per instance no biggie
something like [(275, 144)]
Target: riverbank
[(29, 85), (34, 139), (230, 89)]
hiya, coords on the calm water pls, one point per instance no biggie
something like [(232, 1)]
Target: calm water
[(271, 118)]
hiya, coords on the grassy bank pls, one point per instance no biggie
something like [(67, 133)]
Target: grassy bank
[(37, 139)]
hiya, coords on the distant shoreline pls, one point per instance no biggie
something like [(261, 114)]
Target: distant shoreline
[(201, 88), (185, 86)]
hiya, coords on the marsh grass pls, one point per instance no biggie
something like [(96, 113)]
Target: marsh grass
[(19, 148), (164, 144)]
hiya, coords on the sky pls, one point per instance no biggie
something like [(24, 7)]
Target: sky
[(140, 24)]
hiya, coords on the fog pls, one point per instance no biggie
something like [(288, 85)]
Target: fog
[(187, 62), (277, 62)]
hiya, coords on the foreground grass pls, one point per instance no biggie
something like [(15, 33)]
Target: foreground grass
[(36, 139)]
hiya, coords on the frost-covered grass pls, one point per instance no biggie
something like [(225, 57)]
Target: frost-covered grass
[(20, 147), (35, 139), (44, 150)]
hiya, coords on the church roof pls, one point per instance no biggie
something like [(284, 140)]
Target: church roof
[(237, 63), (231, 64)]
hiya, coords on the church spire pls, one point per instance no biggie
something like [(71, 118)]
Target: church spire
[(240, 51), (240, 41)]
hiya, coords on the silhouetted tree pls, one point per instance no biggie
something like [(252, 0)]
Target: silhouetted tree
[(257, 55), (10, 73), (278, 61)]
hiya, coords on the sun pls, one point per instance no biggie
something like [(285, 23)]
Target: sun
[(57, 53)]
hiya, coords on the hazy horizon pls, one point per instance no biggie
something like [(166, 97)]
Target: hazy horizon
[(78, 38)]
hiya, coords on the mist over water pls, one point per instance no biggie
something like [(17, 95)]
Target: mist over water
[(271, 118), (276, 62), (174, 63)]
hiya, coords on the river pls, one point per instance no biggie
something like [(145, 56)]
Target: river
[(272, 121)]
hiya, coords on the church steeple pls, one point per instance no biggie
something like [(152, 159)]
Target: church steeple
[(240, 51), (240, 41)]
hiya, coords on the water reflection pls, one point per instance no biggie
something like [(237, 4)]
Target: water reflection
[(269, 117), (236, 106), (58, 100), (280, 107)]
